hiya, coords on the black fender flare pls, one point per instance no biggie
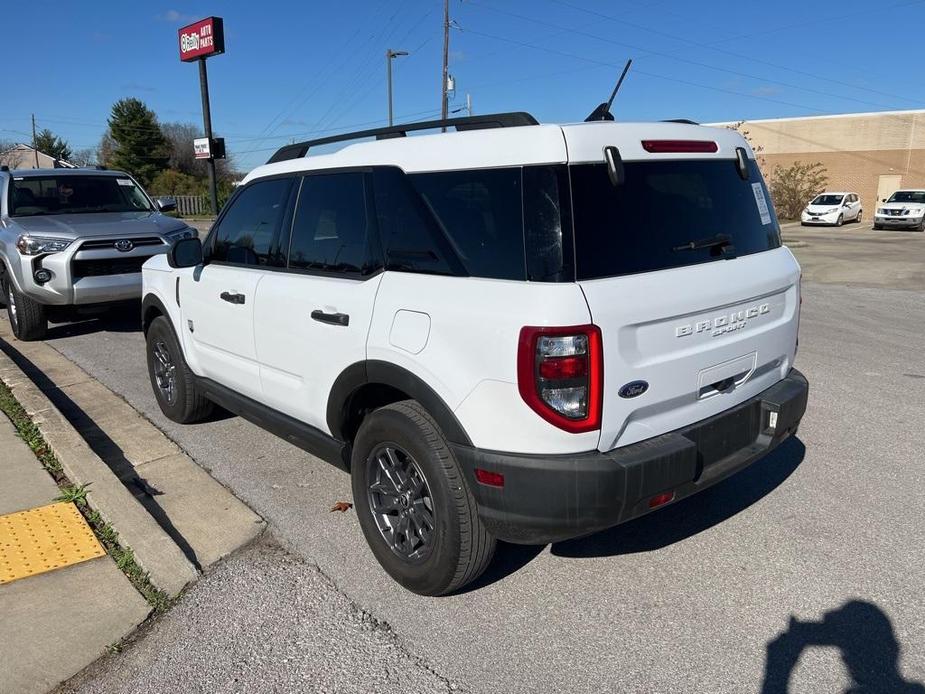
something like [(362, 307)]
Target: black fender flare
[(152, 301), (373, 371)]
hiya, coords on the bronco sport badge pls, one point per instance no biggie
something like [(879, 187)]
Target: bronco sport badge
[(726, 323)]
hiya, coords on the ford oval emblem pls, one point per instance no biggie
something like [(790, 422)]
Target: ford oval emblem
[(124, 245), (634, 389)]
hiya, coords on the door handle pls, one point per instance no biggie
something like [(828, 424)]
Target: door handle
[(331, 318), (232, 297)]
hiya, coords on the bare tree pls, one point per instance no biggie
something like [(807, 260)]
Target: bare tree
[(180, 138), (738, 126), (11, 156)]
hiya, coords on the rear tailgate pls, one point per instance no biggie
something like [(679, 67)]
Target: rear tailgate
[(684, 272), (704, 338)]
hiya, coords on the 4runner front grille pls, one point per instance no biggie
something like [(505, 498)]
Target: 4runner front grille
[(107, 266), (95, 244)]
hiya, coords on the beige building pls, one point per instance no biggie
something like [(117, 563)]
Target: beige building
[(872, 154), (24, 157)]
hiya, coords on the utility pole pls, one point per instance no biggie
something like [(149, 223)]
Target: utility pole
[(389, 54), (446, 56), (35, 151), (207, 125)]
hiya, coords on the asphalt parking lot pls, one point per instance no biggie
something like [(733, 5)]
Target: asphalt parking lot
[(808, 567)]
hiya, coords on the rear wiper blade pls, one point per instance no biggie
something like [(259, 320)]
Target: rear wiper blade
[(723, 241)]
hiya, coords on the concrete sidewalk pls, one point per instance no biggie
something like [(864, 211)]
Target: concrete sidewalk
[(54, 624)]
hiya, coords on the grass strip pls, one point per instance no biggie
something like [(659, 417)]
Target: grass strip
[(105, 533)]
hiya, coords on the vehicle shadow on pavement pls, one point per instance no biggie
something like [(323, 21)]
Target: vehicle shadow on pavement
[(694, 514), (122, 319), (864, 636)]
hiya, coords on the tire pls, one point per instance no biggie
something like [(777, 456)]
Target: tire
[(403, 442), (858, 218), (921, 226), (174, 385), (28, 318), (877, 227), (840, 220)]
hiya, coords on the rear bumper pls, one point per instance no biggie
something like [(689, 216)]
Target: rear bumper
[(552, 498)]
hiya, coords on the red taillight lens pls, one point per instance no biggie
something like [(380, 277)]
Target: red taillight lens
[(663, 146), (661, 499), (560, 375)]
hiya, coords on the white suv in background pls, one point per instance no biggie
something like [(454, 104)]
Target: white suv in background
[(515, 331), (903, 209), (832, 209)]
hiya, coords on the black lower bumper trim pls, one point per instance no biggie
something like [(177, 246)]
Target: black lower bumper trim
[(554, 498)]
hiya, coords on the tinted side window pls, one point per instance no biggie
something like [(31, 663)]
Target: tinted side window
[(547, 224), (482, 213), (331, 227), (249, 231), (411, 240)]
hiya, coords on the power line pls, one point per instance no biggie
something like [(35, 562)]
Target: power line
[(712, 47), (688, 61)]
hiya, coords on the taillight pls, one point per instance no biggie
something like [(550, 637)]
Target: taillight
[(560, 374), (663, 146)]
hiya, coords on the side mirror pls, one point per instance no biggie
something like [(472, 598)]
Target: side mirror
[(166, 204), (882, 199), (185, 253)]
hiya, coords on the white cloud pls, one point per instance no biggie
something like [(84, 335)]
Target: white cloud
[(175, 16)]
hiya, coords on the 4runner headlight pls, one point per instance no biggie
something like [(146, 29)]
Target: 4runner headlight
[(37, 245), (185, 233)]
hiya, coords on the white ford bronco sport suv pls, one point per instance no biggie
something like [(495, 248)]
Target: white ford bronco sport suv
[(73, 241), (514, 331)]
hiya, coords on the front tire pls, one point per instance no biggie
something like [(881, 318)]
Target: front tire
[(860, 214), (840, 220), (414, 506), (174, 384), (877, 227), (28, 318)]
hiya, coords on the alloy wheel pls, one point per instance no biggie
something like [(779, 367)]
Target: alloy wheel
[(400, 501), (165, 372)]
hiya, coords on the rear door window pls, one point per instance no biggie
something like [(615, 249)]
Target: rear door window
[(645, 224), (331, 229)]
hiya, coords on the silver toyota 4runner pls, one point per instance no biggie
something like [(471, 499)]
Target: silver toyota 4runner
[(74, 240)]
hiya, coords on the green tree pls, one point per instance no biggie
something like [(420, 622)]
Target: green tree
[(52, 145), (794, 186), (139, 145)]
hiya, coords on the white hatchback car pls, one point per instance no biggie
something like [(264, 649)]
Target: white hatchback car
[(833, 209), (514, 332)]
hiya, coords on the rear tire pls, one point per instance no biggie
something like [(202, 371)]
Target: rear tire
[(28, 318), (174, 384), (414, 506)]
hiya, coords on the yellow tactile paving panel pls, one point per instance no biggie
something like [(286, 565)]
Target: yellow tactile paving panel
[(44, 539)]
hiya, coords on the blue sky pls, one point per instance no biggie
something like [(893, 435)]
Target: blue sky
[(304, 69)]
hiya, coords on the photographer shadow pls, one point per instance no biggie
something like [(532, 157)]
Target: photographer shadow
[(862, 633)]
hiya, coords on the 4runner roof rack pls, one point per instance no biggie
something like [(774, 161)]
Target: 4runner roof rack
[(494, 120)]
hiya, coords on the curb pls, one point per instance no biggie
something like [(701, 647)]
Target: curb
[(167, 566)]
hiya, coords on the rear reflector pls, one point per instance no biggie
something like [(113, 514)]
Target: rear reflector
[(660, 499), (663, 146), (492, 479)]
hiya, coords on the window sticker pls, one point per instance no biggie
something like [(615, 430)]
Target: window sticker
[(762, 203), (128, 182)]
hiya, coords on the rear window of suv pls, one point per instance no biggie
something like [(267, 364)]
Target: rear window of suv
[(644, 224)]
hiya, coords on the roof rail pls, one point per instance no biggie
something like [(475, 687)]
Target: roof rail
[(494, 120), (688, 121)]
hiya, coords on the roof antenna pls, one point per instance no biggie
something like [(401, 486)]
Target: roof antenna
[(602, 112)]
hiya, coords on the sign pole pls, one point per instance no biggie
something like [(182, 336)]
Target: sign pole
[(207, 126)]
